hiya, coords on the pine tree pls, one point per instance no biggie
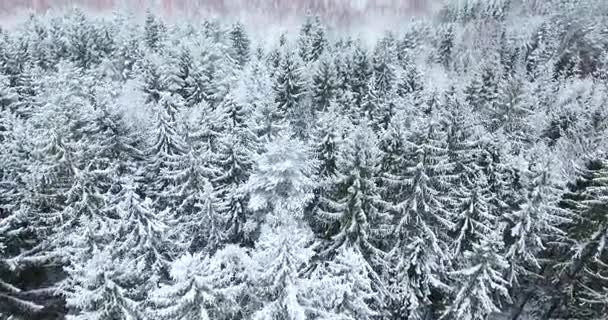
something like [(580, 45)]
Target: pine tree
[(8, 95), (481, 283), (280, 187), (289, 91), (410, 81), (304, 40), (327, 139), (578, 287), (311, 39), (23, 249), (204, 287), (283, 177), (165, 154), (383, 65), (360, 73), (240, 44), (192, 292), (482, 93), (84, 41), (152, 84), (324, 84), (351, 210), (281, 250), (512, 107), (319, 42), (115, 281), (153, 32), (255, 90), (235, 159), (446, 46), (340, 289), (418, 256), (538, 220), (471, 196)]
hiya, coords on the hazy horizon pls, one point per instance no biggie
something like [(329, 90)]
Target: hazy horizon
[(338, 12)]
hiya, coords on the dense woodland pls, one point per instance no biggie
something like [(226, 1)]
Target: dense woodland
[(452, 169)]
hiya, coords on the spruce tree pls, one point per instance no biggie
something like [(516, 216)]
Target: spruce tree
[(418, 258), (289, 91), (153, 31), (240, 44), (481, 287), (280, 187), (445, 46), (352, 209), (117, 278), (323, 84), (538, 220), (578, 287), (340, 288)]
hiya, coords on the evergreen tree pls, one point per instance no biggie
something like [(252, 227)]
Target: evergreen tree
[(165, 154), (340, 289), (118, 276), (283, 177), (323, 84), (281, 251), (481, 283), (445, 46), (352, 211), (289, 91), (23, 249), (240, 44), (84, 41), (153, 31), (578, 288), (235, 159), (383, 65), (191, 294), (538, 219), (410, 81), (311, 39), (360, 74), (418, 256)]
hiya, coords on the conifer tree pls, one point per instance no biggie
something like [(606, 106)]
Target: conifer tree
[(481, 286), (410, 81), (165, 154), (311, 39), (84, 41), (205, 287), (289, 91), (280, 187), (580, 254), (383, 64), (23, 249), (324, 84), (360, 74), (153, 31), (255, 90), (538, 219), (418, 256), (446, 46), (340, 289), (240, 44), (283, 177), (235, 159), (281, 251), (192, 293), (352, 211), (127, 267)]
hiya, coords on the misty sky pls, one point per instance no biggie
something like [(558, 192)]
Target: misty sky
[(335, 8)]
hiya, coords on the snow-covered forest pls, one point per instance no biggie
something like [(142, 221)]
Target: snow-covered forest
[(454, 169)]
